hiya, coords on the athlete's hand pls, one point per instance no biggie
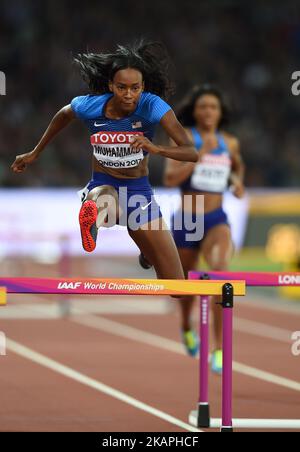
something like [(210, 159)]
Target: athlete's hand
[(22, 161), (140, 142), (238, 188)]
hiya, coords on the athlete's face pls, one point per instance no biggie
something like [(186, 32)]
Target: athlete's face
[(127, 87), (208, 111)]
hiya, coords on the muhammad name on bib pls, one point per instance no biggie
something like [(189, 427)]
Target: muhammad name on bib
[(212, 173), (113, 149)]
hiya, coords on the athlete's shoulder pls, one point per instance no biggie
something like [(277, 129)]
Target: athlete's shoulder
[(90, 106), (152, 107), (232, 141)]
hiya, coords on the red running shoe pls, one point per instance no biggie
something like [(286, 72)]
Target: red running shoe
[(88, 228)]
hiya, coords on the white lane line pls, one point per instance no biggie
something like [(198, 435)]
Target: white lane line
[(135, 334), (273, 304), (266, 376), (133, 306), (68, 372), (53, 311), (128, 332), (262, 330)]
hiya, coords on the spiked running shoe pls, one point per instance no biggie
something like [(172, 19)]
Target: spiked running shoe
[(144, 263), (217, 362), (88, 228), (191, 342)]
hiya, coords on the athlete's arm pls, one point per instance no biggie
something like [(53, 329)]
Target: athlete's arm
[(59, 122), (178, 172), (183, 151), (238, 168)]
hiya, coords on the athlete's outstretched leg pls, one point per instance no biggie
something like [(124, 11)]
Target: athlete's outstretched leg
[(99, 209)]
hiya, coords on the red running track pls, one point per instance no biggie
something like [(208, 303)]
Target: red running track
[(140, 362)]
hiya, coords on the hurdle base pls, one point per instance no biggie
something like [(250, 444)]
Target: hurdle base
[(203, 415), (256, 424), (226, 429)]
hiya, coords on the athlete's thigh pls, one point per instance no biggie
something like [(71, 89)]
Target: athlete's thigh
[(101, 191), (217, 247), (107, 199), (157, 244)]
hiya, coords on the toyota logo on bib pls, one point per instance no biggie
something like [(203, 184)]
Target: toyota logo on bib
[(114, 137)]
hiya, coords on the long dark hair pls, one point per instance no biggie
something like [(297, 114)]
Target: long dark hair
[(185, 112), (150, 58)]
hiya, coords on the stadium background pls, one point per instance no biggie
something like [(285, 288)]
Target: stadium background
[(249, 49), (133, 344)]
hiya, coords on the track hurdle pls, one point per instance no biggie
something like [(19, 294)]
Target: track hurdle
[(226, 289), (158, 287), (201, 417)]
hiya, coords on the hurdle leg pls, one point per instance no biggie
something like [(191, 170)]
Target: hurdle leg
[(227, 304), (203, 418)]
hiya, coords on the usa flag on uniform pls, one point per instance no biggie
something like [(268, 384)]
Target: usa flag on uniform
[(137, 125)]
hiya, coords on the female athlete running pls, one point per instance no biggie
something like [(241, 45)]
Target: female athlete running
[(219, 163), (121, 113)]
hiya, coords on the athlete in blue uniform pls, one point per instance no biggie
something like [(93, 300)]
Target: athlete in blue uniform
[(219, 164), (121, 112)]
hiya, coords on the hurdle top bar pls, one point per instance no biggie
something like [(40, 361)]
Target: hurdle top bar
[(156, 287), (254, 279)]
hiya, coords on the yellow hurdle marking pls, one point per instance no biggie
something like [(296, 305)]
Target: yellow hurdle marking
[(3, 296), (188, 287)]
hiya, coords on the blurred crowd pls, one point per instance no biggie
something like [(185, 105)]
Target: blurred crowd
[(249, 50)]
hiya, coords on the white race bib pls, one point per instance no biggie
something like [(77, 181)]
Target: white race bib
[(113, 149), (212, 174)]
